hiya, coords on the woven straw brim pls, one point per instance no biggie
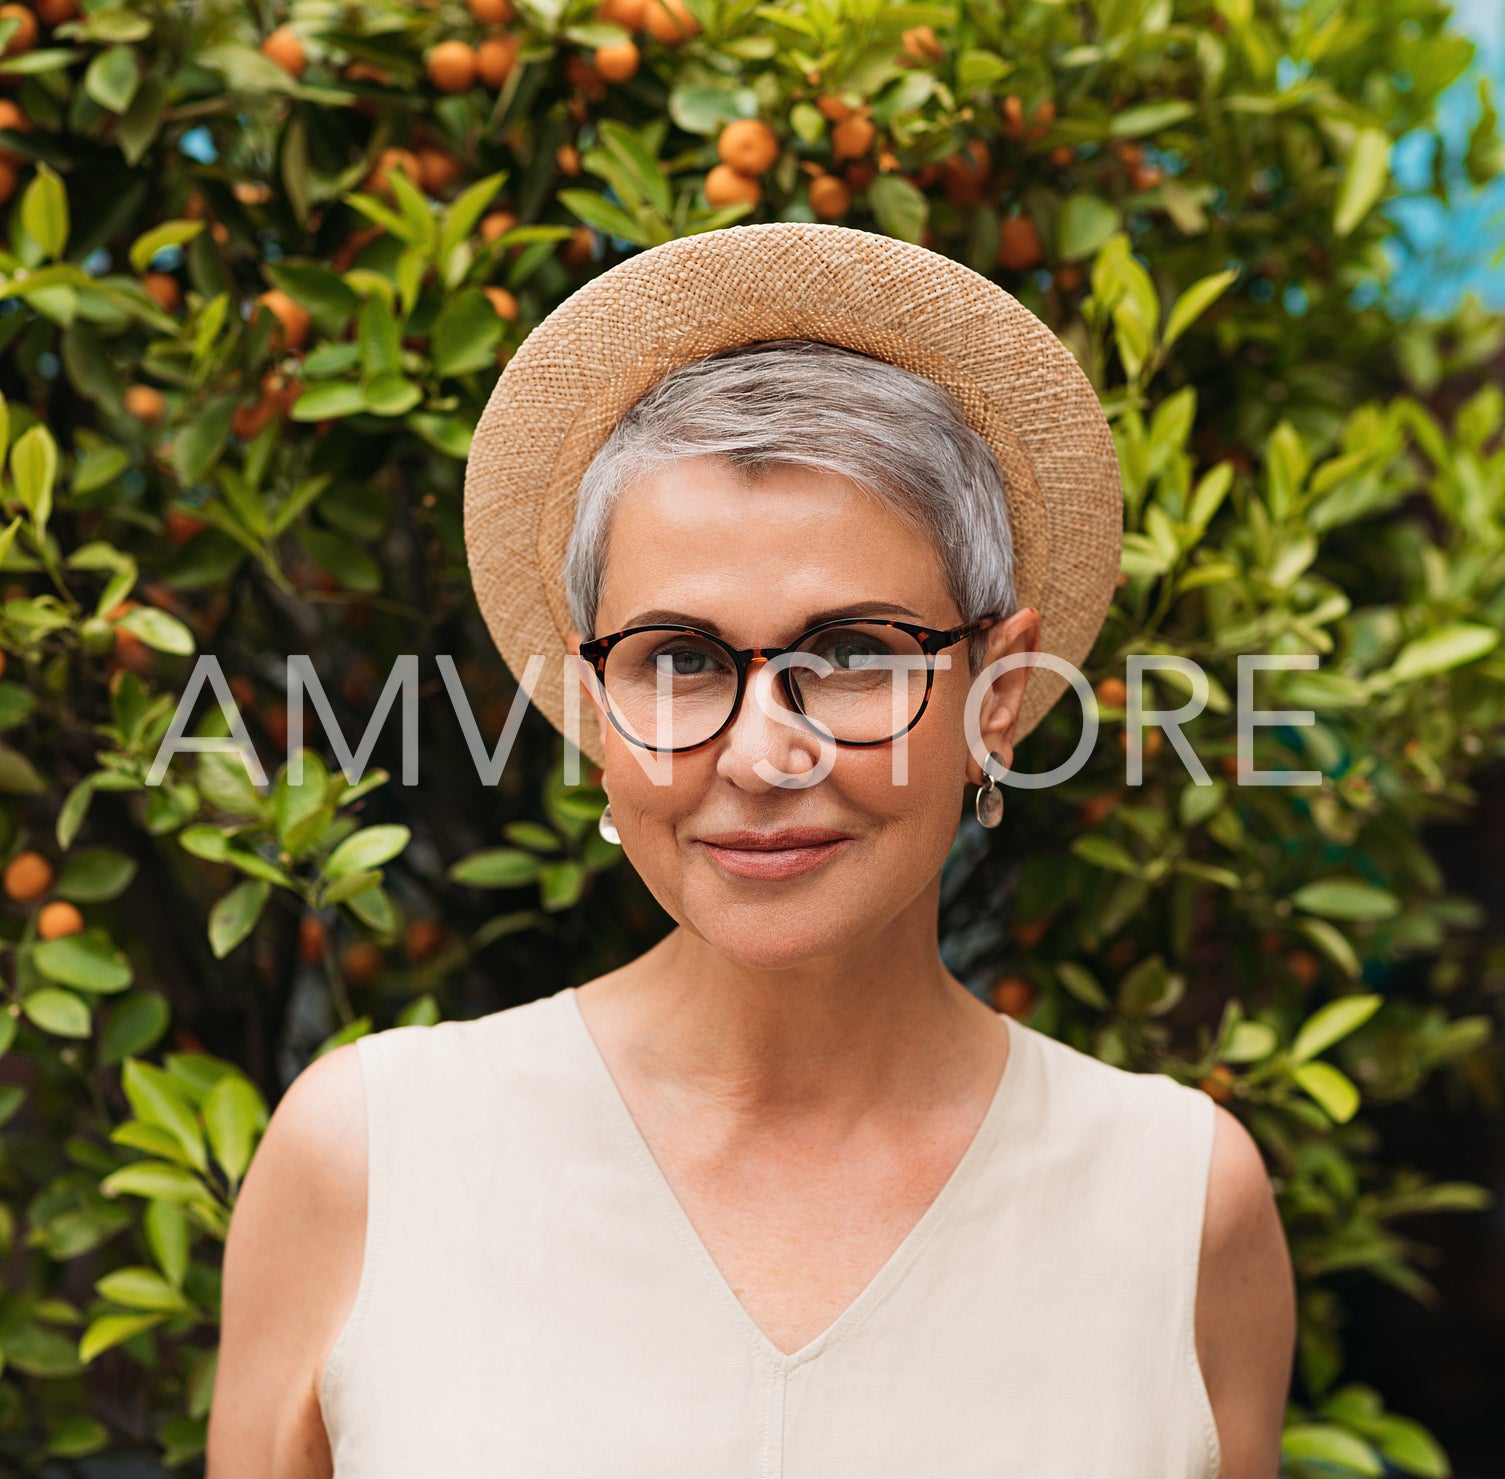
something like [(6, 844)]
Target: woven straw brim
[(606, 345)]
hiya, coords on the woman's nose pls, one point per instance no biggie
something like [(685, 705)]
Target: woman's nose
[(769, 743)]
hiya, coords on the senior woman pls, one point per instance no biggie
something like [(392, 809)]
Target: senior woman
[(781, 1197)]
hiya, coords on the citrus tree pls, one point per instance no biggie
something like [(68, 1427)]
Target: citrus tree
[(260, 268)]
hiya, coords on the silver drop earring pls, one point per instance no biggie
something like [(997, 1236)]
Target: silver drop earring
[(607, 827), (989, 797)]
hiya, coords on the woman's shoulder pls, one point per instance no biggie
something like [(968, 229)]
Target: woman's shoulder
[(518, 1028), (1108, 1097)]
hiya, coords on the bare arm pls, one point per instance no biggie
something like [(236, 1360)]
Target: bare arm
[(1246, 1306), (291, 1268)]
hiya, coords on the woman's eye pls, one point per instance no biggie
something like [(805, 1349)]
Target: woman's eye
[(848, 654), (684, 662)]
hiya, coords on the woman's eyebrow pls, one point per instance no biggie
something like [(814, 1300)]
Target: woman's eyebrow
[(664, 617)]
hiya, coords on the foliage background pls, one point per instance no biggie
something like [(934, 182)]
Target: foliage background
[(1192, 194)]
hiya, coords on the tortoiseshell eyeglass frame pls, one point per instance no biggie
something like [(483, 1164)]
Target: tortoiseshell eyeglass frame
[(929, 639)]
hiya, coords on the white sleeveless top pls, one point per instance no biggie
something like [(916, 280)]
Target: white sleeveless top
[(534, 1303)]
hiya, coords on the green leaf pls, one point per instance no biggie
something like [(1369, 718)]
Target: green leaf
[(443, 433), (151, 1140), (158, 1179), (1149, 118), (113, 1330), (808, 123), (140, 1288), (465, 335), (496, 867), (89, 960), (158, 629), (200, 444), (116, 23), (380, 339), (44, 212), (244, 68), (980, 69), (33, 468), (167, 1236), (234, 915), (234, 1114), (34, 63), (1326, 1443), (594, 33), (1193, 303), (169, 234), (374, 909), (294, 807), (330, 400), (17, 705), (1449, 646), (74, 809), (350, 886), (1105, 853), (205, 842), (1409, 1446), (157, 1099), (347, 562), (368, 848), (296, 173), (18, 776), (532, 836), (135, 1022), (138, 128), (899, 207), (1333, 943), (59, 1012), (1332, 1089), (331, 361), (1083, 985), (466, 211), (1085, 223), (415, 210), (1365, 176), (112, 79), (561, 884), (633, 153), (707, 110), (37, 1351), (1150, 989), (1346, 898), (318, 289), (595, 210), (1249, 1042), (391, 395), (1331, 1023)]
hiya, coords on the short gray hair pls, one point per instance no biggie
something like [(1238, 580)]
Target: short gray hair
[(800, 402)]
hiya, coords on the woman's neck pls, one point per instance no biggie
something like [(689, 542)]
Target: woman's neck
[(882, 1021)]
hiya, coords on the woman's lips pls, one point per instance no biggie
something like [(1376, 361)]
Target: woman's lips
[(773, 859)]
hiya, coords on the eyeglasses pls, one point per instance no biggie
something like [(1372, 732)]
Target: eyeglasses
[(855, 680)]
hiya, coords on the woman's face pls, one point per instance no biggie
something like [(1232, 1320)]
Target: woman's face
[(758, 562)]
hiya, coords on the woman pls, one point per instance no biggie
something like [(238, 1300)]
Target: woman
[(781, 1197)]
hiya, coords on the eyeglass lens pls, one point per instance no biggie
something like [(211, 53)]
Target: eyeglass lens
[(861, 682)]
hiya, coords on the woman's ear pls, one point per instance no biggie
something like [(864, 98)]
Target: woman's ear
[(1004, 695)]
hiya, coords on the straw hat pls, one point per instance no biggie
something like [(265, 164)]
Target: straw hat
[(606, 345)]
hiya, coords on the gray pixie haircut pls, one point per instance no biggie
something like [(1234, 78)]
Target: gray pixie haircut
[(800, 402)]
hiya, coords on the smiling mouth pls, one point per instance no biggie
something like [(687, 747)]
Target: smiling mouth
[(773, 858)]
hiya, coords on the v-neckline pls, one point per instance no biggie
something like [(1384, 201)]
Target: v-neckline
[(887, 1276)]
